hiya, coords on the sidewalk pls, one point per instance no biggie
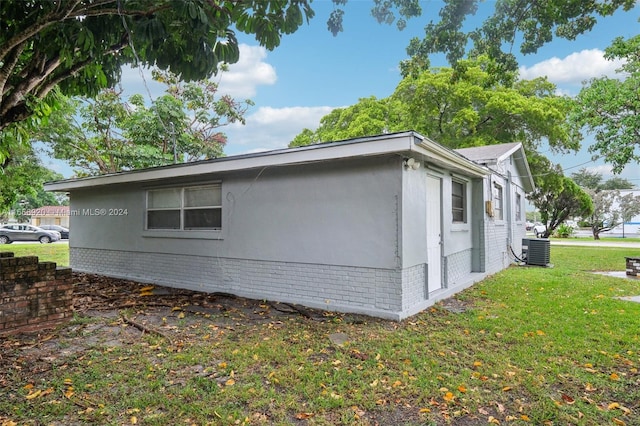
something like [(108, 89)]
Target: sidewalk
[(595, 243)]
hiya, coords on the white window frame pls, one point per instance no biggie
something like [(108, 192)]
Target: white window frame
[(182, 208), (498, 201), (518, 207)]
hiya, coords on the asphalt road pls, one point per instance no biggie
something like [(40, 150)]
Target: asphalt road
[(34, 242)]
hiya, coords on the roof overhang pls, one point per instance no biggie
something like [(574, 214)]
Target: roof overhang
[(405, 143), (522, 165)]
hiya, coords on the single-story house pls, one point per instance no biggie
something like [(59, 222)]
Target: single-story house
[(383, 225), (49, 215)]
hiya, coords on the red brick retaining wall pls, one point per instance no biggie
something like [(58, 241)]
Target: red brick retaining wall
[(33, 295)]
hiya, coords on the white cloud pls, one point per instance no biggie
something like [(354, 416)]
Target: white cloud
[(573, 69), (243, 77), (630, 172), (272, 128), (241, 81)]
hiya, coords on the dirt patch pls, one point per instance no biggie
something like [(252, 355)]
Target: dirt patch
[(455, 305), (114, 312)]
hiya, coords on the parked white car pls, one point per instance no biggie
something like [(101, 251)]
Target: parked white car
[(571, 223), (539, 229)]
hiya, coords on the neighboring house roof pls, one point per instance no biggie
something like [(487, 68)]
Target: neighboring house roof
[(404, 143), (492, 155), (49, 211)]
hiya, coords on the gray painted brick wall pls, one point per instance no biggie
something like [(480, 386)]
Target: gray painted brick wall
[(370, 291), (415, 286), (496, 245), (458, 266)]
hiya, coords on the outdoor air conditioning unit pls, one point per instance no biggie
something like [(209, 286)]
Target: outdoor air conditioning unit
[(536, 251)]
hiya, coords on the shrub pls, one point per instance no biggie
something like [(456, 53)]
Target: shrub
[(564, 231)]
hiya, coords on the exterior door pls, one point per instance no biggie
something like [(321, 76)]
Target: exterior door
[(434, 233)]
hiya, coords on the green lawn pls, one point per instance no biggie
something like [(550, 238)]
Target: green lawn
[(55, 252), (536, 346)]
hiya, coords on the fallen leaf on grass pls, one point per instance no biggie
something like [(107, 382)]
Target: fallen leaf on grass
[(614, 376), (567, 399), (33, 395), (493, 420), (358, 355), (448, 397), (357, 412), (303, 416), (619, 422), (589, 387), (617, 406)]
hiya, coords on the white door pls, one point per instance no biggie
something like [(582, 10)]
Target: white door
[(434, 234)]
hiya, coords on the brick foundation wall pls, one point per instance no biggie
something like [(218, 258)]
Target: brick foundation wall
[(33, 295), (371, 291), (633, 266)]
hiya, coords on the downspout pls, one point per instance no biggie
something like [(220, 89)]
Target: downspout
[(508, 211)]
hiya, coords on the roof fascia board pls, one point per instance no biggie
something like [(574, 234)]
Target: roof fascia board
[(510, 152), (450, 158), (530, 185), (388, 144)]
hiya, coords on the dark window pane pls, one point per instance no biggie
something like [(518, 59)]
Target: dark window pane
[(456, 188), (203, 219), (163, 219)]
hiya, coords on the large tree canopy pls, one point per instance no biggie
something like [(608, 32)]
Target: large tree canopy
[(21, 180), (108, 134), (531, 23), (610, 108), (81, 46), (458, 108)]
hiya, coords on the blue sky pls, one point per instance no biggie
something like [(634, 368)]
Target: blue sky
[(313, 72)]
